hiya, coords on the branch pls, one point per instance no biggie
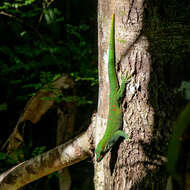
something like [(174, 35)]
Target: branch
[(36, 107), (60, 157), (7, 14)]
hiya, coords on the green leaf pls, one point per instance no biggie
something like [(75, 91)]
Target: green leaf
[(38, 150), (56, 76), (23, 33), (3, 107), (3, 156), (49, 16), (61, 19), (181, 124)]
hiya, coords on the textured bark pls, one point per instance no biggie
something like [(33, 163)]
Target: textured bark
[(139, 163)]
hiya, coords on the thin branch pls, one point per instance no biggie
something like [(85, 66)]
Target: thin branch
[(60, 157), (7, 14)]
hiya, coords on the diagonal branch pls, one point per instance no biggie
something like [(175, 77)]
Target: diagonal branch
[(60, 157)]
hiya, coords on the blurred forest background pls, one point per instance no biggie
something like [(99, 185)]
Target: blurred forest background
[(42, 39)]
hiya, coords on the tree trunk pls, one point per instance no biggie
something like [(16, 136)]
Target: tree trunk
[(138, 163)]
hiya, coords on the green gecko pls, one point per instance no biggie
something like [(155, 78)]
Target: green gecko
[(115, 116)]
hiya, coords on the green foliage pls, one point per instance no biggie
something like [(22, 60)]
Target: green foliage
[(3, 156), (29, 62), (75, 99), (39, 42), (9, 160), (3, 107), (53, 15), (185, 88), (93, 80), (181, 124), (45, 77), (38, 150), (48, 77), (55, 174), (16, 4)]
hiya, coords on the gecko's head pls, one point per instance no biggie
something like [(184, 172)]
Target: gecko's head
[(100, 151), (99, 155), (104, 146)]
